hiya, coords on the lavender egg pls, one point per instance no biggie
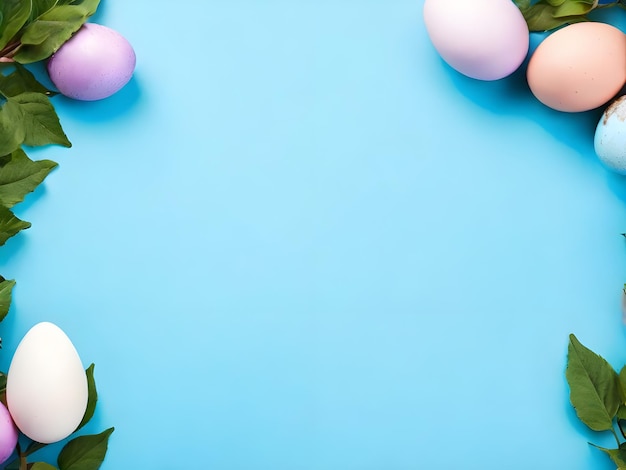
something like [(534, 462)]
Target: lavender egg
[(8, 434), (93, 64)]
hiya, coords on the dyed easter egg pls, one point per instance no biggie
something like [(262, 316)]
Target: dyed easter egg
[(483, 39), (94, 64), (46, 385), (579, 67), (8, 434), (610, 138)]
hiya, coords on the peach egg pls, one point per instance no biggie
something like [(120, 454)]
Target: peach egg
[(579, 67)]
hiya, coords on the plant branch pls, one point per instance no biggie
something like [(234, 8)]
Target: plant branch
[(22, 457), (6, 54)]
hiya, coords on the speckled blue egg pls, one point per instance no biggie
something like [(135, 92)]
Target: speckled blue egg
[(610, 138)]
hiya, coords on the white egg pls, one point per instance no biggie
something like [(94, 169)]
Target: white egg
[(46, 385)]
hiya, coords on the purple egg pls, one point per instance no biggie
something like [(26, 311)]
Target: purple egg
[(94, 64), (8, 434)]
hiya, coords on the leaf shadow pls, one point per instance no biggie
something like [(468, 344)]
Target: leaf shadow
[(13, 246), (617, 184), (21, 209), (512, 95), (16, 243), (8, 334)]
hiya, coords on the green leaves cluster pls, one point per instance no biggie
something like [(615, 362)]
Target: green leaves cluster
[(85, 452), (598, 394), (32, 30), (27, 118), (545, 15)]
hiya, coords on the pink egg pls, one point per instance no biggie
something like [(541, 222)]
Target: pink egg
[(483, 39), (94, 64), (8, 434)]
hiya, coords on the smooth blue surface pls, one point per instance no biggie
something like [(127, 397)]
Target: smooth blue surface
[(298, 241)]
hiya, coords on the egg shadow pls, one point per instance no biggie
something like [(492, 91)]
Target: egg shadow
[(39, 70), (617, 184), (106, 109), (512, 95), (98, 111)]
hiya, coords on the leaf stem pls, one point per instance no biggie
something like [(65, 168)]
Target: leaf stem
[(6, 54), (22, 457), (621, 429), (616, 436)]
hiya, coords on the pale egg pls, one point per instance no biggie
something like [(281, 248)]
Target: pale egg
[(483, 39), (610, 138), (579, 67), (46, 385)]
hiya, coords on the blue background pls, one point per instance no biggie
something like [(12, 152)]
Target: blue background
[(298, 240)]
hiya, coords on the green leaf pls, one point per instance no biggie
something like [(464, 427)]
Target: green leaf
[(85, 452), (40, 7), (522, 4), (3, 388), (622, 381), (21, 80), (92, 398), (544, 17), (13, 15), (6, 289), (11, 130), (577, 8), (19, 175), (33, 447), (10, 225), (44, 35), (39, 120), (41, 466), (618, 456), (595, 390)]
